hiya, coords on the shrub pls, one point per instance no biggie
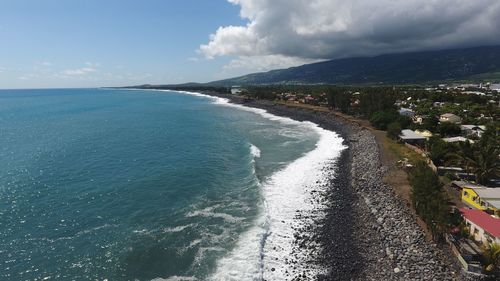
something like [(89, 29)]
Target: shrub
[(428, 198), (381, 119), (449, 129), (394, 130), (439, 150)]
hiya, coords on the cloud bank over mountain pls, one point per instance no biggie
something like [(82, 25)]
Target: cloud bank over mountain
[(292, 32)]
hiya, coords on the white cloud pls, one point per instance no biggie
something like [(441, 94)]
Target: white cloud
[(79, 71), (263, 63), (2, 69), (324, 29)]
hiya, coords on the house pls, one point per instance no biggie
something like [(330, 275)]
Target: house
[(450, 117), (482, 227), (457, 139), (482, 198), (464, 184), (467, 252), (495, 87), (410, 137), (458, 172), (477, 93), (236, 90), (424, 133), (310, 100), (290, 97), (473, 130), (418, 119), (406, 112), (483, 117)]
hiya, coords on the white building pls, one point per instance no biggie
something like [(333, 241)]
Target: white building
[(473, 130), (236, 90), (410, 137), (418, 119), (450, 117), (406, 112), (482, 226), (457, 139), (495, 87)]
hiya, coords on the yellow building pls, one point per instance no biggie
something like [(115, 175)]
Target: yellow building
[(482, 198)]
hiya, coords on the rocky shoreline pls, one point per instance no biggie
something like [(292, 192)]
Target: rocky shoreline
[(368, 232)]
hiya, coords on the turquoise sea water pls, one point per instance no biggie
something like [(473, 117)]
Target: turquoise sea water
[(102, 184)]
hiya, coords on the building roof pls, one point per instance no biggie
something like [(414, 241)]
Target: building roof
[(449, 115), (464, 184), (457, 139), (488, 193), (410, 135), (424, 133), (474, 93), (487, 222), (406, 112), (472, 127), (495, 203)]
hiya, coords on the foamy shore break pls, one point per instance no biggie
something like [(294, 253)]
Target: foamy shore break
[(367, 233)]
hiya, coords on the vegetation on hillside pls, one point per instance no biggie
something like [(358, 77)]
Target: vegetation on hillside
[(403, 68), (429, 199)]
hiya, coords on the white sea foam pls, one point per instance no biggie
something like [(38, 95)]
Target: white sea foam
[(209, 212), (262, 251), (255, 151), (177, 228), (176, 278)]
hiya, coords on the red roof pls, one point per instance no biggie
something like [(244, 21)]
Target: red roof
[(483, 220)]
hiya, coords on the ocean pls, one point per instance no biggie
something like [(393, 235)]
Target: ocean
[(115, 184)]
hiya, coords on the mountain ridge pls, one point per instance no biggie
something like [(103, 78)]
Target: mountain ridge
[(400, 68)]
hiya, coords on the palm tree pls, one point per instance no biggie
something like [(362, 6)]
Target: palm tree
[(464, 153), (484, 162), (481, 159), (491, 253)]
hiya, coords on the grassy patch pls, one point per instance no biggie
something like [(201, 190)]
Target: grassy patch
[(400, 151)]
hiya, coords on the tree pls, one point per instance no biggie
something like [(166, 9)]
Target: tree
[(394, 130), (428, 198), (490, 136), (481, 158), (404, 121), (484, 163), (381, 119), (491, 254), (338, 98), (377, 99), (449, 129), (439, 150), (430, 123)]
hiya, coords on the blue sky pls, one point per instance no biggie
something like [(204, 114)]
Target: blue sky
[(88, 43), (60, 43)]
